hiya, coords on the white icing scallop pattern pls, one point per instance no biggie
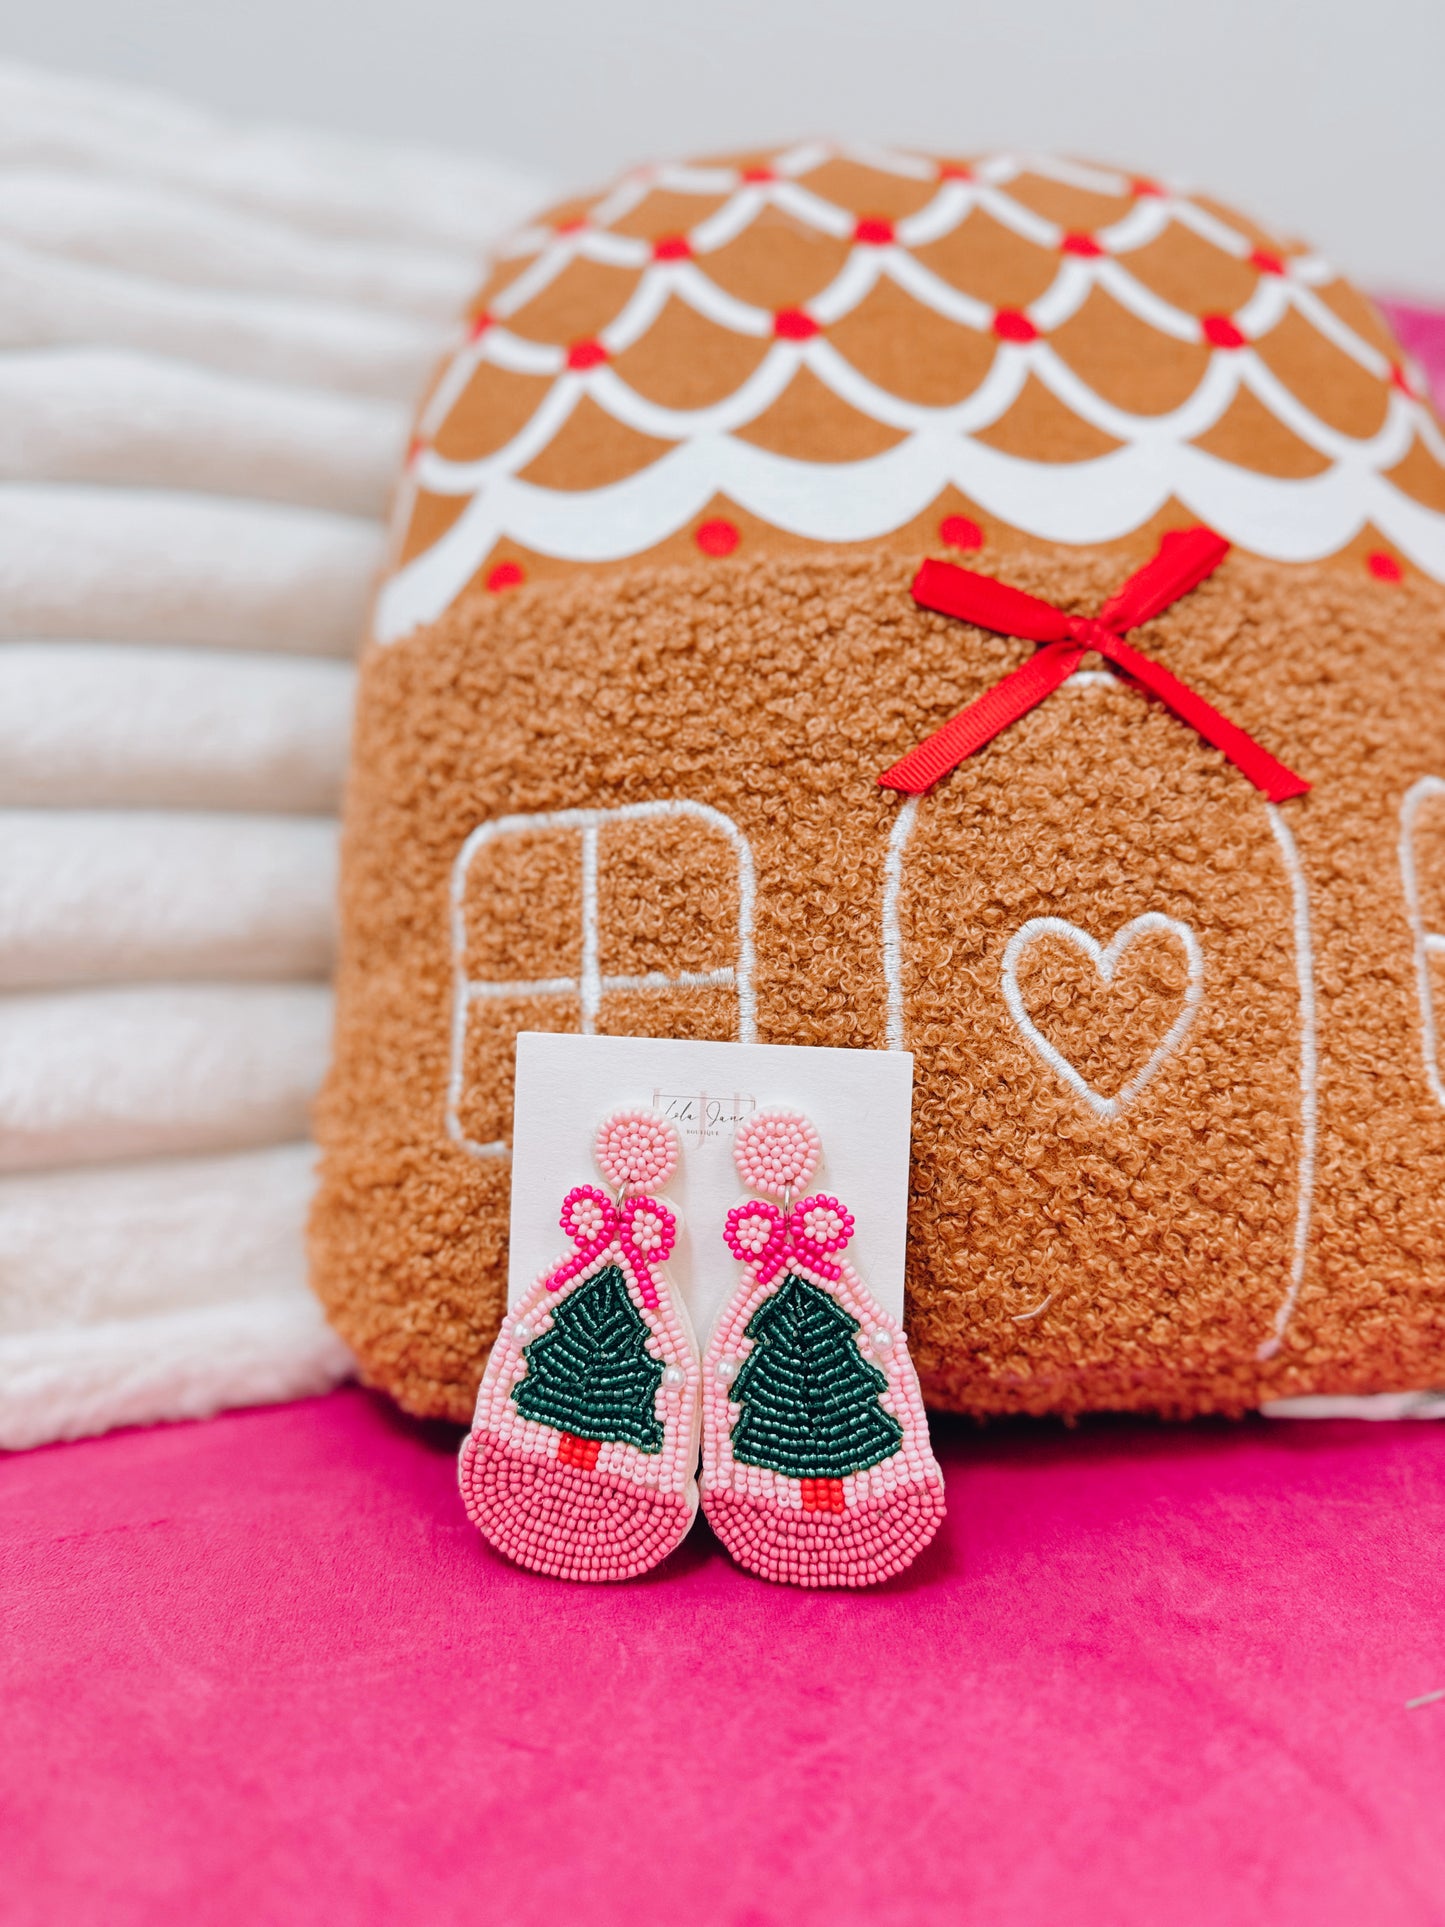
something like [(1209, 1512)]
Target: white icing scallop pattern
[(1085, 501)]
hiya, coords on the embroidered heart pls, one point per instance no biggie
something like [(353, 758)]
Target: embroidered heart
[(1105, 959)]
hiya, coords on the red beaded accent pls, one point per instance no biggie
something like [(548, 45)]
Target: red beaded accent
[(1384, 567), (672, 247), (506, 575), (874, 233), (822, 1495), (1266, 262), (579, 1452), (1083, 245), (583, 355)]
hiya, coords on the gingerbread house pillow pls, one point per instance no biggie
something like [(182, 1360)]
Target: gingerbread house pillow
[(990, 608)]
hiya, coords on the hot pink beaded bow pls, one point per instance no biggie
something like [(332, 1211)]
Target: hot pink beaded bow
[(763, 1238), (645, 1232)]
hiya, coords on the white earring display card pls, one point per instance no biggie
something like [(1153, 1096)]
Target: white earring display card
[(859, 1100)]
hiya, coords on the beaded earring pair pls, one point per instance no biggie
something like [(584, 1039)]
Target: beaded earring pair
[(582, 1461)]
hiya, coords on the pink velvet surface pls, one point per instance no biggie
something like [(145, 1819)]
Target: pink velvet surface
[(263, 1670)]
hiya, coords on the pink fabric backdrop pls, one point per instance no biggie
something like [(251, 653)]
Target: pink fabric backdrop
[(1422, 333), (262, 1670)]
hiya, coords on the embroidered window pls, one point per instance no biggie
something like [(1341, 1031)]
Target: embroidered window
[(635, 921)]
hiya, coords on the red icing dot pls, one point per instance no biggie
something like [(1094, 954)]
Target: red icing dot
[(1082, 244), (1383, 567), (1220, 332), (417, 448), (1265, 262), (874, 233), (586, 354), (1403, 382), (958, 532), (574, 226), (478, 325), (794, 324), (1012, 324), (758, 175), (954, 171), (506, 575), (672, 247), (716, 538), (1142, 188)]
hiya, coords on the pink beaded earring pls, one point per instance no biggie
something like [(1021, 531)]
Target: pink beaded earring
[(582, 1456), (816, 1464)]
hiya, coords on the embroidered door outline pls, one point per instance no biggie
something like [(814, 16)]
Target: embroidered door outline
[(590, 985), (1428, 943), (892, 954)]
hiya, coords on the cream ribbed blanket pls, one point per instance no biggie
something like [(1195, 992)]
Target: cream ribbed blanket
[(210, 340)]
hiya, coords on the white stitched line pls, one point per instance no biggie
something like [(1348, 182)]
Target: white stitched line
[(456, 1071), (892, 932), (724, 978), (1023, 1317), (1105, 958), (1428, 943), (590, 986), (1308, 1075)]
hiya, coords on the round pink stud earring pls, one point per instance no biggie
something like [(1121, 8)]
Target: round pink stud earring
[(582, 1455), (816, 1464)]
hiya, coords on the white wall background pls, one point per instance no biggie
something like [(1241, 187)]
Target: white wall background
[(1324, 116)]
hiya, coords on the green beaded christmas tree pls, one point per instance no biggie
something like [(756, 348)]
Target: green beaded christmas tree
[(590, 1375), (809, 1397)]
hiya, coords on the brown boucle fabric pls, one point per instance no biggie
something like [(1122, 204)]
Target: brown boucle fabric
[(774, 689)]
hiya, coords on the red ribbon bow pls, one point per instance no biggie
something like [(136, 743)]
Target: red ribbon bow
[(1185, 558)]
